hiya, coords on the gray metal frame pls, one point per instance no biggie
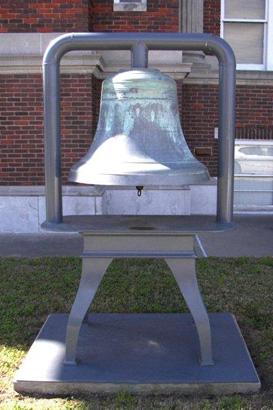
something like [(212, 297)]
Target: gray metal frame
[(178, 250), (139, 44)]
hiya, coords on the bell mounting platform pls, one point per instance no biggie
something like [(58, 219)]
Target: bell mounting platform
[(156, 353), (139, 44)]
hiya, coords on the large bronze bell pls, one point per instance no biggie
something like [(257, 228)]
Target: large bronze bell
[(139, 140)]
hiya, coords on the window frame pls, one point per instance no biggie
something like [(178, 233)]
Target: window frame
[(268, 34)]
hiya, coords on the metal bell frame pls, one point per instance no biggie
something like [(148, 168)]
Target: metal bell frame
[(232, 370), (139, 44)]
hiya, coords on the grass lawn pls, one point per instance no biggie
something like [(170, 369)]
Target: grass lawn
[(30, 289)]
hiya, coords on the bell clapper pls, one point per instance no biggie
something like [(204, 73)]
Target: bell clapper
[(139, 190)]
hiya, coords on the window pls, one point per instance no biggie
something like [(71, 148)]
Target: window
[(247, 25), (253, 179), (130, 5)]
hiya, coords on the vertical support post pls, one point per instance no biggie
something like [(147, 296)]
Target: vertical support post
[(185, 276), (93, 270), (139, 55), (226, 139), (52, 143)]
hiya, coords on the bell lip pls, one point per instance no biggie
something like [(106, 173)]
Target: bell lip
[(132, 180)]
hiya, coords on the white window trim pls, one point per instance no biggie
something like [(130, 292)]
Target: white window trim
[(269, 37), (253, 142), (268, 34)]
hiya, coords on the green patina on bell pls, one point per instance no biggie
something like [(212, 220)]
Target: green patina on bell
[(139, 140)]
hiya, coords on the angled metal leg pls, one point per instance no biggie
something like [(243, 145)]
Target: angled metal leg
[(184, 273), (93, 270)]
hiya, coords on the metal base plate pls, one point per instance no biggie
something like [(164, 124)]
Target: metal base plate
[(158, 224), (147, 353)]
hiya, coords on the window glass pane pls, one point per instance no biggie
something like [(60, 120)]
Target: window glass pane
[(245, 9), (253, 159), (246, 39), (262, 151)]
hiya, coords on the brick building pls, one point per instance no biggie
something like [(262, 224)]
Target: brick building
[(26, 29)]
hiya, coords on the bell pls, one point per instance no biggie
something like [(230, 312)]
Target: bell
[(139, 140)]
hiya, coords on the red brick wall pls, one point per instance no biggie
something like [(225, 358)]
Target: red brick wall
[(77, 118), (161, 15), (254, 105), (21, 126), (96, 93), (44, 16), (212, 14), (200, 115), (97, 15), (21, 129)]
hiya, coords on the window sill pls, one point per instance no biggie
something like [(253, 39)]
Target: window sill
[(250, 67)]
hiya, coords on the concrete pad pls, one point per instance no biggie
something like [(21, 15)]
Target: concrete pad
[(153, 353), (252, 236), (39, 245)]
